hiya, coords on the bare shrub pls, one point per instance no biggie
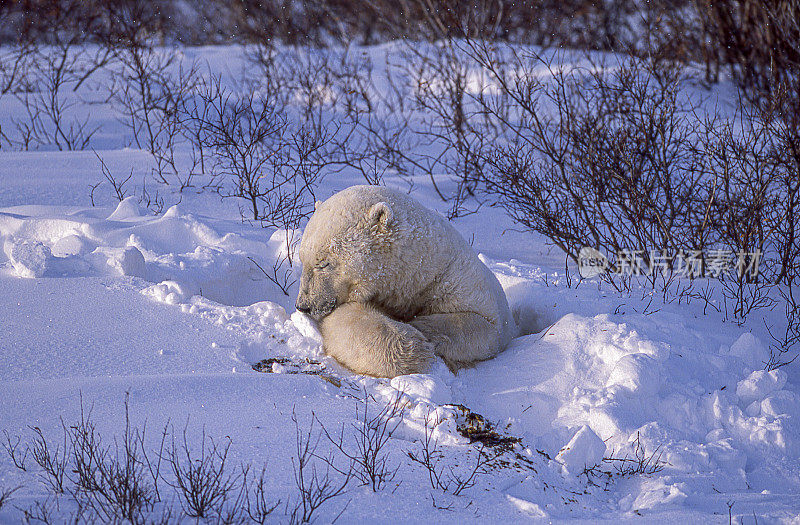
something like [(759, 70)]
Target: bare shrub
[(41, 512), (783, 343), (52, 461), (315, 487), (280, 272), (12, 447), (13, 64), (739, 153), (781, 113), (451, 480), (51, 61), (14, 61), (293, 23), (376, 125), (669, 31), (466, 480), (5, 495), (203, 479), (352, 76), (149, 87), (258, 504), (445, 86), (407, 128), (47, 100), (431, 20), (118, 481), (623, 167), (112, 482), (149, 91), (639, 461), (117, 184), (616, 168), (759, 41), (152, 201), (337, 98), (269, 164), (429, 457), (318, 22), (365, 448), (755, 161), (193, 115), (376, 142), (609, 25), (267, 156)]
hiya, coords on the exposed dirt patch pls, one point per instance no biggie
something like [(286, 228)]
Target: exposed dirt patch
[(476, 428), (287, 365)]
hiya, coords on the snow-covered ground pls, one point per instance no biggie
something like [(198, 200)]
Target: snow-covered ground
[(102, 302)]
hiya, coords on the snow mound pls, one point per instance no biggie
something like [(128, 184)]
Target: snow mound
[(169, 292), (584, 450), (639, 373), (306, 326), (656, 494), (130, 262), (528, 508), (175, 246), (423, 387), (750, 350), (72, 245), (759, 384), (127, 209), (601, 387), (30, 258)]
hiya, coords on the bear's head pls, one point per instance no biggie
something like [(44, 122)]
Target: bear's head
[(344, 250)]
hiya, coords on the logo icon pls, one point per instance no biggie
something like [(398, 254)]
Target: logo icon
[(591, 263)]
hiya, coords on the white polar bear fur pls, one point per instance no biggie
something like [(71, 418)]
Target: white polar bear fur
[(409, 286)]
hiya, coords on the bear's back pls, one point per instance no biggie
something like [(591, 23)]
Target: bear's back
[(353, 203)]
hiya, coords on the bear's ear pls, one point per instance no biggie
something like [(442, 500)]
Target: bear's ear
[(380, 213), (316, 204)]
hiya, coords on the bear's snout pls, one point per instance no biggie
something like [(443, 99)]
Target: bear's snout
[(302, 307), (315, 310)]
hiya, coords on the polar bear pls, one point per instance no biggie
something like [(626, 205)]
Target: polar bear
[(392, 284)]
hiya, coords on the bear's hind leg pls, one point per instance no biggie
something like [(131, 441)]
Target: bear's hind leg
[(366, 341), (459, 338)]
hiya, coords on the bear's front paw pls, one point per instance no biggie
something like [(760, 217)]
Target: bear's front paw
[(366, 341)]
